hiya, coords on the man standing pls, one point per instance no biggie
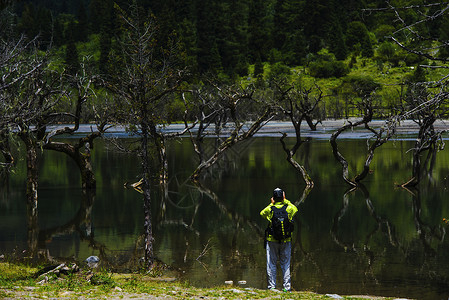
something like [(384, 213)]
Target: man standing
[(279, 214)]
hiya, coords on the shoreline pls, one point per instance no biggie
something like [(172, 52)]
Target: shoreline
[(18, 281), (275, 129)]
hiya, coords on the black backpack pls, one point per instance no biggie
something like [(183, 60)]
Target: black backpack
[(281, 227)]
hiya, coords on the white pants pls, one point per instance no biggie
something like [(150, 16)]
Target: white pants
[(281, 251)]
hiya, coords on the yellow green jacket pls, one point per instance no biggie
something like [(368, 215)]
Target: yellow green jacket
[(267, 214)]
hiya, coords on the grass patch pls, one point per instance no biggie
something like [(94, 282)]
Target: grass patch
[(12, 274), (18, 281)]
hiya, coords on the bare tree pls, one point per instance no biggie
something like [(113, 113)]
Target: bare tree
[(28, 99), (425, 101), (227, 110), (34, 97), (299, 105), (424, 109), (150, 76), (380, 137), (80, 89), (17, 65)]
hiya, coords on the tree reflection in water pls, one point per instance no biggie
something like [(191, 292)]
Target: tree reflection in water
[(377, 239)]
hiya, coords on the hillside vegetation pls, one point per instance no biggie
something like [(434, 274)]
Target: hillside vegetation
[(343, 47)]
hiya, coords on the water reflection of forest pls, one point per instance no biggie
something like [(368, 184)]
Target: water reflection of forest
[(344, 234)]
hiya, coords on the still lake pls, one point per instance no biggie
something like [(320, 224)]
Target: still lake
[(381, 240)]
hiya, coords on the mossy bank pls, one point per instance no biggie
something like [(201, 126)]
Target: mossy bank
[(21, 281)]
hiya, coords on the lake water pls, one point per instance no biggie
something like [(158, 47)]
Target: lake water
[(381, 240)]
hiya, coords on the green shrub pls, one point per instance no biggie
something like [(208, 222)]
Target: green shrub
[(361, 85), (327, 69)]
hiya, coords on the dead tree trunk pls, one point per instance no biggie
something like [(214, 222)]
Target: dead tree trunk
[(293, 162), (207, 114), (299, 106), (233, 139), (427, 140), (5, 149), (32, 162), (381, 137), (82, 159), (297, 113), (147, 225)]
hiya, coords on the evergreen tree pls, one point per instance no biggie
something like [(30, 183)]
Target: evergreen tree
[(166, 20), (419, 75), (71, 53), (316, 15), (294, 46), (239, 29), (58, 32), (258, 67), (280, 26), (357, 34), (208, 55), (28, 23), (103, 20), (36, 22), (336, 40), (71, 58), (258, 30), (95, 15), (232, 37), (82, 28), (105, 49), (444, 37), (44, 24), (188, 41)]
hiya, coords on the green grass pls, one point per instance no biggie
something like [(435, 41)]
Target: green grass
[(12, 274), (18, 281)]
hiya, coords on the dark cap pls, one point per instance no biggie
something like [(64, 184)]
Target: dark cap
[(278, 194)]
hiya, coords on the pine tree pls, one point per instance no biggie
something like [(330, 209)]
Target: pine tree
[(357, 34), (258, 67), (82, 28), (95, 13), (44, 24), (336, 41), (105, 49), (71, 58), (295, 45), (58, 32), (444, 37), (28, 23), (258, 30), (71, 53), (280, 27), (315, 17), (232, 37), (208, 55), (239, 30)]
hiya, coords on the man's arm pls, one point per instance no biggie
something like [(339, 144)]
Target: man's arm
[(266, 213), (291, 209)]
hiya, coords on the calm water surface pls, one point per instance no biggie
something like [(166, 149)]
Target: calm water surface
[(380, 240)]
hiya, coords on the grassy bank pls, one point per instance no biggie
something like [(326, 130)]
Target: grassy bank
[(20, 281)]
